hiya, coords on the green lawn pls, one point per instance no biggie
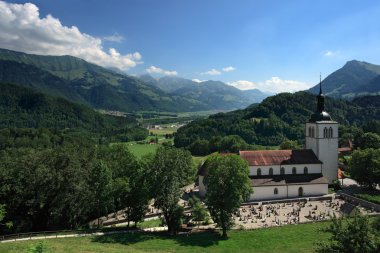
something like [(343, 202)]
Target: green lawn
[(375, 197), (293, 238), (139, 150)]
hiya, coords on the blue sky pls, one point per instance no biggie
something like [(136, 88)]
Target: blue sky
[(271, 45)]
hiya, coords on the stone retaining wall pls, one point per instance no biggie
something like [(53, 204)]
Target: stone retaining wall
[(361, 202)]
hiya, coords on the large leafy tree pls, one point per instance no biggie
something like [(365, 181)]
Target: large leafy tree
[(130, 188), (170, 169), (365, 167), (101, 183), (368, 140), (228, 185), (356, 235)]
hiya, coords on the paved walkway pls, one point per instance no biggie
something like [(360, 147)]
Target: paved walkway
[(154, 229)]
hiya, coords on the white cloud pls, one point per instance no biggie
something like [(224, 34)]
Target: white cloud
[(243, 85), (22, 29), (228, 69), (198, 81), (156, 70), (212, 72), (215, 72), (114, 38), (273, 85), (329, 53)]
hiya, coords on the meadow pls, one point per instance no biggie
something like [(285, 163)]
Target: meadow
[(291, 238)]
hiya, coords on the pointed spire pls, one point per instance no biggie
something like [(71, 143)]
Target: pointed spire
[(320, 97)]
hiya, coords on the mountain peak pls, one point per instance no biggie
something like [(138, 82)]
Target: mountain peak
[(353, 79)]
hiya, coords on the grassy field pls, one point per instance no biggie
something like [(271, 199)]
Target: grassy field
[(374, 197), (140, 150), (293, 238)]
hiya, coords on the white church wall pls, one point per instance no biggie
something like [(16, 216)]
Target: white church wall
[(308, 190), (311, 142), (267, 192), (311, 168), (264, 170)]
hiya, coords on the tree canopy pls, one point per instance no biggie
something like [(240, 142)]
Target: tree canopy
[(228, 185), (365, 167), (170, 169), (351, 235)]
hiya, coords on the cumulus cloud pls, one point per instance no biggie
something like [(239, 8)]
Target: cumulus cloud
[(22, 29), (215, 72), (114, 38), (156, 70), (228, 69), (212, 72), (273, 85), (244, 85)]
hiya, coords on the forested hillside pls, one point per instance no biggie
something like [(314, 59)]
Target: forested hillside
[(25, 108), (277, 118)]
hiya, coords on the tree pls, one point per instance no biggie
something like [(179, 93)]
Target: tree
[(101, 182), (198, 212), (199, 148), (228, 185), (351, 235), (2, 216), (365, 167), (130, 186), (288, 144), (368, 140), (232, 144), (170, 169)]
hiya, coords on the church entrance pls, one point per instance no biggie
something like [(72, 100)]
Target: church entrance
[(300, 192)]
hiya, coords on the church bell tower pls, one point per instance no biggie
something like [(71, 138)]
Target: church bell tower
[(321, 134)]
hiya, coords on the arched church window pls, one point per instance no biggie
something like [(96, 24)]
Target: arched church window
[(294, 170), (259, 172), (330, 132), (282, 171), (300, 192), (275, 191), (325, 132), (312, 132), (270, 171), (305, 170)]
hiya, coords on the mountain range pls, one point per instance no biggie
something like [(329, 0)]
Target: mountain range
[(208, 92), (81, 82), (355, 78), (95, 86)]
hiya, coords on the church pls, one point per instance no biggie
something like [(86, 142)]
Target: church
[(281, 174)]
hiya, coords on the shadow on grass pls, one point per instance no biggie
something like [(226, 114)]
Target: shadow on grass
[(200, 239)]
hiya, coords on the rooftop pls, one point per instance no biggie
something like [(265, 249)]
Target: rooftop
[(278, 157)]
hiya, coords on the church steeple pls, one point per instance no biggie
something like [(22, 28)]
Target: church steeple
[(320, 97), (320, 114)]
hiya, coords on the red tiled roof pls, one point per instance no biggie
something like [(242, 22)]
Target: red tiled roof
[(277, 157)]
